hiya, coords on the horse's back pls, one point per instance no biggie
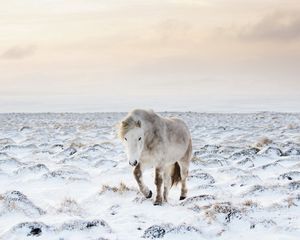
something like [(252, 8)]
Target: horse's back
[(173, 130), (177, 133)]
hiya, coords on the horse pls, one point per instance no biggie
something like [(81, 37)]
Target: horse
[(161, 142)]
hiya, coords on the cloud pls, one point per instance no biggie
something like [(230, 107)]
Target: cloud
[(18, 52), (173, 29), (276, 26)]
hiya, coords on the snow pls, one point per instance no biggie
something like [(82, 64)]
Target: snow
[(65, 176)]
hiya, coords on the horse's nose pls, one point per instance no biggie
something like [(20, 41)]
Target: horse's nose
[(133, 163)]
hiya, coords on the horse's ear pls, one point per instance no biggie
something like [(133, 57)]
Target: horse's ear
[(138, 123), (124, 124)]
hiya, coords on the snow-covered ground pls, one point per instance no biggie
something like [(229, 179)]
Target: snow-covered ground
[(65, 176)]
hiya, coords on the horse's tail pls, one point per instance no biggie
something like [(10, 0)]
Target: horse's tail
[(176, 176)]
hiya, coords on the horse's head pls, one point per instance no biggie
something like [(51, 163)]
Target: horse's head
[(132, 134)]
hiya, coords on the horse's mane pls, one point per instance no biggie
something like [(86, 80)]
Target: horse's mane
[(133, 120), (127, 124)]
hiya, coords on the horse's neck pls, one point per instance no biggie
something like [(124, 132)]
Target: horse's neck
[(150, 127), (147, 126)]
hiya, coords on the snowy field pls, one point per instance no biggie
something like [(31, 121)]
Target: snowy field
[(65, 176)]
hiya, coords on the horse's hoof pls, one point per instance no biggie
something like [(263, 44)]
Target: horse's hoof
[(150, 194), (157, 203), (182, 198)]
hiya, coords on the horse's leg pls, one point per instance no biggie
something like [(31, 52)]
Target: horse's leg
[(158, 183), (167, 182), (184, 170), (137, 172)]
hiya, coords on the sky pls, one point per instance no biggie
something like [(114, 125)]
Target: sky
[(168, 55)]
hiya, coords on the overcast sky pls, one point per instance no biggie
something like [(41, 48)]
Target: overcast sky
[(199, 55)]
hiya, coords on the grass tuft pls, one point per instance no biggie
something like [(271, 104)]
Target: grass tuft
[(121, 189)]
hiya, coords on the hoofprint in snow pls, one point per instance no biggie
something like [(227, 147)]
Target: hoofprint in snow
[(65, 176)]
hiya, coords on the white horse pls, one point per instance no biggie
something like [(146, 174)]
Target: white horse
[(162, 143)]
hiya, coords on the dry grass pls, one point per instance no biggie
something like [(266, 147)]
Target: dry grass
[(222, 207), (250, 203), (57, 126), (87, 126), (214, 209), (11, 206), (210, 216), (226, 208), (70, 207), (107, 143), (275, 206), (197, 159), (78, 143), (220, 232), (122, 188), (263, 141), (290, 202), (291, 126)]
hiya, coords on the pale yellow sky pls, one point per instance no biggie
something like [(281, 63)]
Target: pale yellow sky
[(64, 52)]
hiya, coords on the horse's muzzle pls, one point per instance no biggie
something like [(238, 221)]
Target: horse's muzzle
[(133, 163)]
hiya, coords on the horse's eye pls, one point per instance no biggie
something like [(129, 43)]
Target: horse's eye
[(125, 139), (140, 138)]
